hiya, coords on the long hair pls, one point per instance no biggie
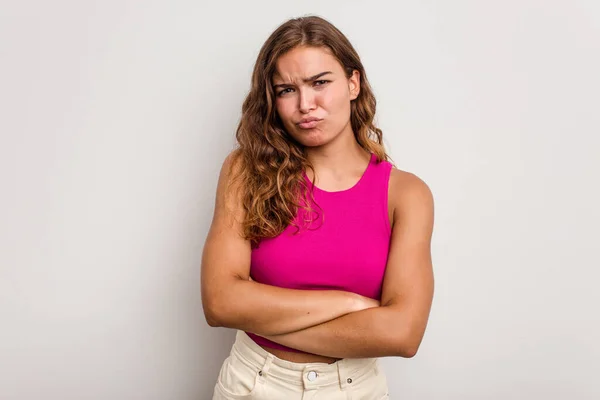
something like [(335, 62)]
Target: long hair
[(271, 163)]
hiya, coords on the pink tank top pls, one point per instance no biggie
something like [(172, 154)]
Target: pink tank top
[(346, 249)]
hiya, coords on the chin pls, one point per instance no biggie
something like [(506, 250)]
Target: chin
[(312, 138)]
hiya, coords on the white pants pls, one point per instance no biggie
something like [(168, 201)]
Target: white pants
[(250, 372)]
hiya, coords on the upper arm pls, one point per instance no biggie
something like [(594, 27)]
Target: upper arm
[(408, 284), (226, 254)]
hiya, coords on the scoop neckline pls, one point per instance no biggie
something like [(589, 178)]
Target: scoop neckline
[(362, 177)]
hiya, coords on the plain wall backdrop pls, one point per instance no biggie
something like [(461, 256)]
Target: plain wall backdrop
[(115, 118)]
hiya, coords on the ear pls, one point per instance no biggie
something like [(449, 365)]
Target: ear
[(354, 84)]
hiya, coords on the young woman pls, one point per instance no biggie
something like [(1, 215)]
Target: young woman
[(319, 249)]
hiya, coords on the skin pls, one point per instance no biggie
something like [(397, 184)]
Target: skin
[(326, 96), (310, 82), (396, 328)]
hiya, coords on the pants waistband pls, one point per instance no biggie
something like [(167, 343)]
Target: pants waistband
[(319, 374)]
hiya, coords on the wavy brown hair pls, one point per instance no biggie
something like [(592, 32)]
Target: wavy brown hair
[(271, 163)]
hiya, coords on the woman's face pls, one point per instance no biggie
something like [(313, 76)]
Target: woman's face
[(313, 95)]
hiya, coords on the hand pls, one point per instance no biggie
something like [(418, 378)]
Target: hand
[(363, 303)]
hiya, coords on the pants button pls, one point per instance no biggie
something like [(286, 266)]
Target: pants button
[(312, 375)]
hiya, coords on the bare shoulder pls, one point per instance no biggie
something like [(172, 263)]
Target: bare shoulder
[(407, 191), (228, 202), (232, 165), (231, 168), (405, 182)]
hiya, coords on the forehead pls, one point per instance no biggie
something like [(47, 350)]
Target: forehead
[(302, 62)]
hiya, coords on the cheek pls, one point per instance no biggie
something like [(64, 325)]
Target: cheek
[(285, 109), (335, 100)]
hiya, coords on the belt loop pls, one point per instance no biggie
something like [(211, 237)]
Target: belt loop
[(266, 366)]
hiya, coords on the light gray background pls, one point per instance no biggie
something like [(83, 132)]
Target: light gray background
[(116, 116)]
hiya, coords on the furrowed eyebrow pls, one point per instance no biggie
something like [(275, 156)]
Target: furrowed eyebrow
[(305, 80)]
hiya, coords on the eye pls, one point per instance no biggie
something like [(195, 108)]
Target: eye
[(321, 82), (284, 91)]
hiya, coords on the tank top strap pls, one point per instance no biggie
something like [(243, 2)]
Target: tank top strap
[(377, 175), (375, 186)]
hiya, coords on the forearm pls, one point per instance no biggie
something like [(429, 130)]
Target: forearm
[(375, 332), (271, 310)]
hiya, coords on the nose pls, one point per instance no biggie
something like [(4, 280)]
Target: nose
[(307, 101)]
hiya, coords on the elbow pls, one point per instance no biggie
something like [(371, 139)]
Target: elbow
[(407, 346), (211, 317), (212, 312), (216, 305), (408, 351), (220, 309), (408, 331)]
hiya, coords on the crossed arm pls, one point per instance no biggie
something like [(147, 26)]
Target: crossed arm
[(396, 328), (326, 322)]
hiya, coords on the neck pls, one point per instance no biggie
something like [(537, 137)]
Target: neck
[(342, 154)]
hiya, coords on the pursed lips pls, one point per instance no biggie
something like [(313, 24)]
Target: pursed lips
[(308, 123)]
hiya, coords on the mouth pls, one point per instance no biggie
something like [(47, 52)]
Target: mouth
[(308, 123)]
